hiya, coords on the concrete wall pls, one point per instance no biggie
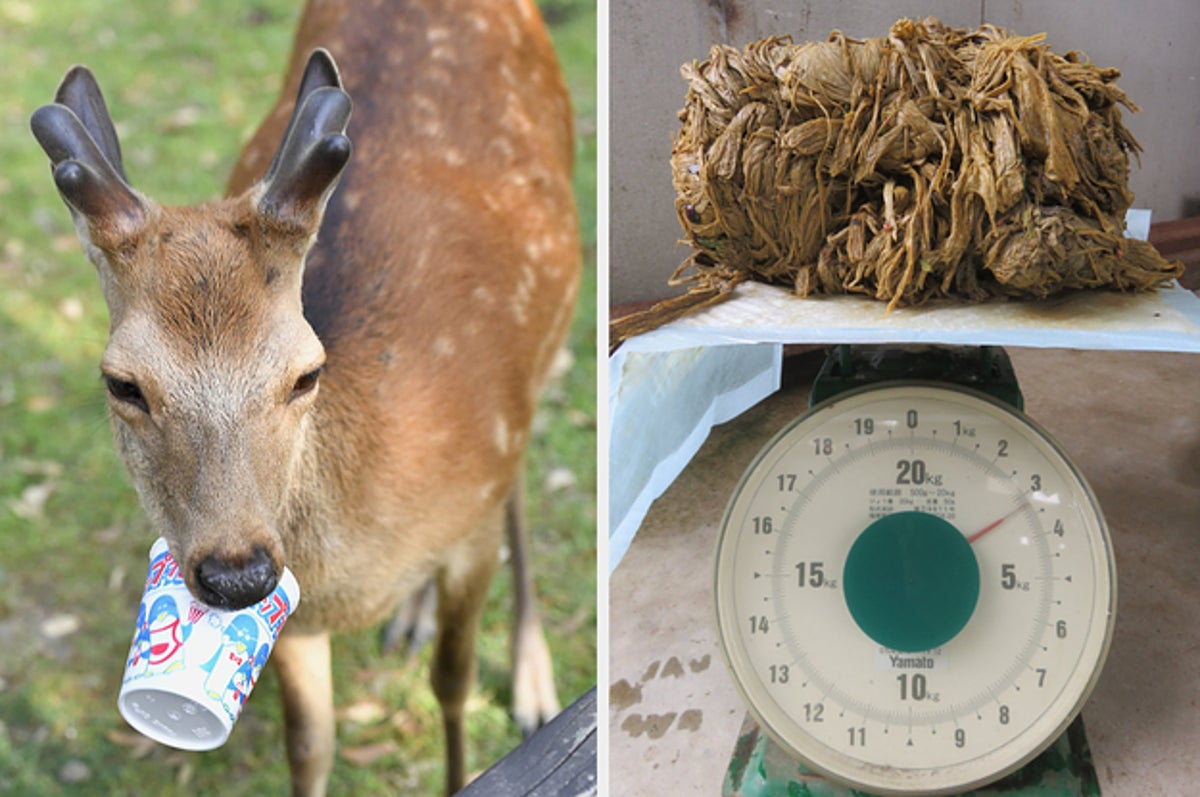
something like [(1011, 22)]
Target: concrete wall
[(1155, 44)]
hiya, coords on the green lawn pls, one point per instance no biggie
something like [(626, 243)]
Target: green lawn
[(186, 88)]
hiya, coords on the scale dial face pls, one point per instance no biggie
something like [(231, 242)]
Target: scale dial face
[(915, 589)]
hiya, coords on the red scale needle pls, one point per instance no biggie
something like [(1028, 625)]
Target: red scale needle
[(995, 523)]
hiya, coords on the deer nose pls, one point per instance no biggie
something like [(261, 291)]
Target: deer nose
[(229, 586)]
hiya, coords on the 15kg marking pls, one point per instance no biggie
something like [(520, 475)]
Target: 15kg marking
[(812, 574)]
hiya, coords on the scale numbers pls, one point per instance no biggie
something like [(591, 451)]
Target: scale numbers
[(914, 589)]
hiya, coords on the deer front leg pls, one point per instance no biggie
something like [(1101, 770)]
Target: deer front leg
[(306, 681), (535, 700), (462, 589)]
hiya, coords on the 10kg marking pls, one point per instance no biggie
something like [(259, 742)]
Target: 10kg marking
[(915, 687)]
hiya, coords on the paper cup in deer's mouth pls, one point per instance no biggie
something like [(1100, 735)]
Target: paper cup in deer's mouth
[(191, 667)]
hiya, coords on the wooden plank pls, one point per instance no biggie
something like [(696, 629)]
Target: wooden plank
[(557, 761), (1173, 237), (1180, 240)]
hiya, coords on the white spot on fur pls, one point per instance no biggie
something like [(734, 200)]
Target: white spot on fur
[(519, 121), (422, 261), (437, 34), (482, 293), (443, 346), (501, 434), (352, 200), (563, 361), (453, 157), (502, 150), (426, 115), (491, 200), (523, 292)]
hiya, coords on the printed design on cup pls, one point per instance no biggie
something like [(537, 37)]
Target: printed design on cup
[(164, 572), (139, 651), (230, 668), (158, 639), (167, 635), (231, 647)]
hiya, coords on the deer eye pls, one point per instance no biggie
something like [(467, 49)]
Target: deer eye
[(126, 393), (305, 384)]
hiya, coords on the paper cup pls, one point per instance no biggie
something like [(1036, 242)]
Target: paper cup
[(191, 667)]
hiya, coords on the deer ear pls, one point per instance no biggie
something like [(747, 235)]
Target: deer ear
[(80, 92), (314, 149), (77, 134)]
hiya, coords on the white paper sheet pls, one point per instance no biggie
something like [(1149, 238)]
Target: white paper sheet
[(1168, 320), (661, 408)]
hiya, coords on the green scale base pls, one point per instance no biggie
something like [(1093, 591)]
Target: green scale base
[(761, 768)]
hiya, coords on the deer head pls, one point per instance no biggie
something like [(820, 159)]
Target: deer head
[(211, 369)]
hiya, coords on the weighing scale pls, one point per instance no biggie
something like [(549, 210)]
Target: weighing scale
[(914, 588)]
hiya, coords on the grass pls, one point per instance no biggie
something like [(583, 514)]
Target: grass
[(186, 89)]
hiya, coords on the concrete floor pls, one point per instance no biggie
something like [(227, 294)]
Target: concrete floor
[(1130, 420)]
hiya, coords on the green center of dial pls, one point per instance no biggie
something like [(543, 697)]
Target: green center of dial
[(911, 581)]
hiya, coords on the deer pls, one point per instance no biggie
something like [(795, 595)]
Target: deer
[(334, 368)]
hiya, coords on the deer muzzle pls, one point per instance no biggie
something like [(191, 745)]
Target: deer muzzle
[(227, 584)]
